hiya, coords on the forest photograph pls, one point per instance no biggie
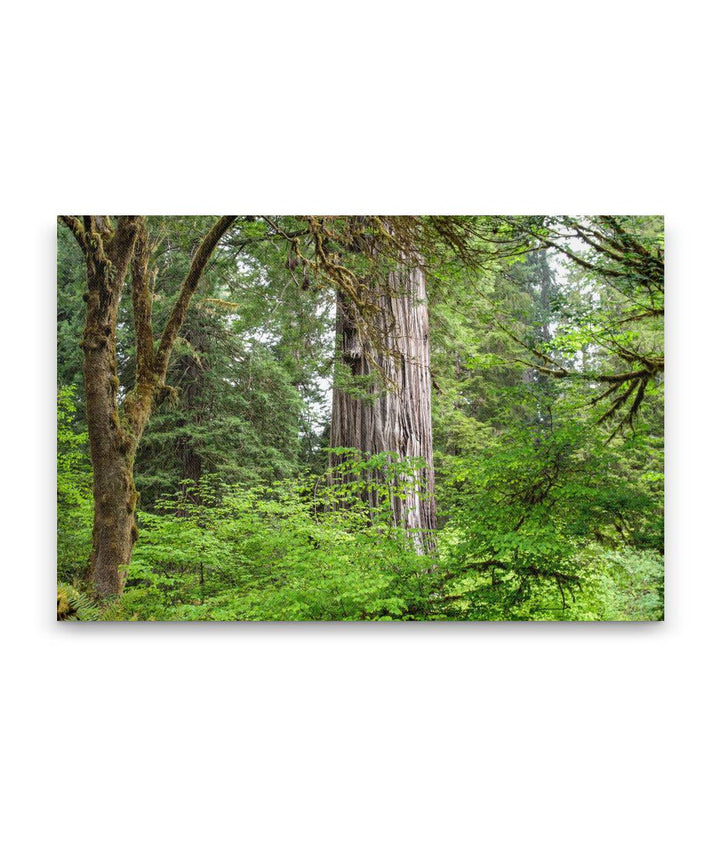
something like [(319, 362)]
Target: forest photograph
[(360, 418), (377, 493)]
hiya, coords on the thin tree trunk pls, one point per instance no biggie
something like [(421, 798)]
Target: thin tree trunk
[(191, 371), (395, 416)]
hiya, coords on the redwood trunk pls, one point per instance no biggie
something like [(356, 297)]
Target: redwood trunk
[(396, 417)]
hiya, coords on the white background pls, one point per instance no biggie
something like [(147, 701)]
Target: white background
[(495, 739)]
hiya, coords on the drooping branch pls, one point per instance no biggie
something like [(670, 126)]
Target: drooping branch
[(627, 240)]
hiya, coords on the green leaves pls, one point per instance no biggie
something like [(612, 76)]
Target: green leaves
[(539, 327), (74, 490), (309, 549), (543, 524)]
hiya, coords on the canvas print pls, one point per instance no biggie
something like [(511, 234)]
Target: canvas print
[(360, 418)]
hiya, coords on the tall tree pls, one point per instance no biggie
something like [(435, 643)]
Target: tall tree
[(382, 390), (240, 364), (115, 427), (394, 413)]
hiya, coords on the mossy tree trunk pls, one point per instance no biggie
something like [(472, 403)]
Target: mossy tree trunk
[(115, 429), (108, 254), (394, 414)]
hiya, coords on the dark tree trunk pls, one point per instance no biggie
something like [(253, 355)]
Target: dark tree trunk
[(395, 416), (191, 370)]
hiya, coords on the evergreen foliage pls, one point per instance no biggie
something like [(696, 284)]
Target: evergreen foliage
[(74, 491), (547, 365)]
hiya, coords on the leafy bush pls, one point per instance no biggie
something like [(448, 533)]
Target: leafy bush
[(74, 491), (550, 527), (306, 549), (553, 529)]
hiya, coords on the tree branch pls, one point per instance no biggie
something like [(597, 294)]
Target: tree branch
[(75, 226), (188, 288), (142, 309)]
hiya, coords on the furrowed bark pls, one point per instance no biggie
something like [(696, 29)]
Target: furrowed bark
[(397, 418)]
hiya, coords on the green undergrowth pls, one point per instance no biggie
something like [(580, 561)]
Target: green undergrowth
[(554, 529), (303, 549)]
